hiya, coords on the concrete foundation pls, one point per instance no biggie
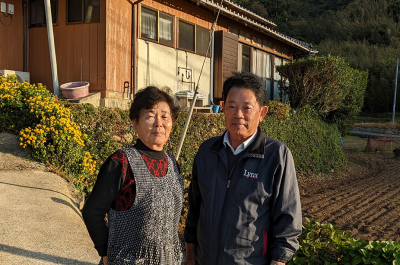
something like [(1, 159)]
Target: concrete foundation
[(93, 98), (124, 104)]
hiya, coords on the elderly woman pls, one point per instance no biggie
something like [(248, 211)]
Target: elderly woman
[(141, 190)]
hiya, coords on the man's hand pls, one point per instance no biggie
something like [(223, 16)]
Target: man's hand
[(190, 254), (105, 260), (277, 262)]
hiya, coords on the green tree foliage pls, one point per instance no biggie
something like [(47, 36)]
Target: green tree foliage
[(327, 84), (365, 32)]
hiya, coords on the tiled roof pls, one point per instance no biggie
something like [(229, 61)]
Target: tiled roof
[(237, 12)]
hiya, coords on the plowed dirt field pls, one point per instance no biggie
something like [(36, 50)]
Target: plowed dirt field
[(363, 200)]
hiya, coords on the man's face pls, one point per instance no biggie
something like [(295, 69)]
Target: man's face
[(242, 113)]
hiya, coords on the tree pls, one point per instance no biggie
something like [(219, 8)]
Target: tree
[(327, 84)]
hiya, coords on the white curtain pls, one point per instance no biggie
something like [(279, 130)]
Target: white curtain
[(254, 70), (261, 64), (149, 24), (240, 54), (166, 26), (268, 66)]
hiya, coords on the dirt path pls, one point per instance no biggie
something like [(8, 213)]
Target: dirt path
[(364, 201)]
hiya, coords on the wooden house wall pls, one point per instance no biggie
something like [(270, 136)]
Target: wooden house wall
[(11, 39), (73, 42), (225, 59), (118, 45)]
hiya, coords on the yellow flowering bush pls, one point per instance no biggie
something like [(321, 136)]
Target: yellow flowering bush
[(85, 179), (46, 128)]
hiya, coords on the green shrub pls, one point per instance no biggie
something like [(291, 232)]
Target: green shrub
[(327, 244), (315, 145), (327, 84), (280, 110), (78, 138)]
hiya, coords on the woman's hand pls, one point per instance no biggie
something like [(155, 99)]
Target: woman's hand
[(105, 260), (190, 254)]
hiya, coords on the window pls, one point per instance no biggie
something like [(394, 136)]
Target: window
[(193, 37), (83, 11), (244, 36), (279, 49), (149, 23), (268, 44), (257, 41), (202, 40), (244, 57), (186, 36), (157, 26), (166, 28), (233, 30), (37, 15)]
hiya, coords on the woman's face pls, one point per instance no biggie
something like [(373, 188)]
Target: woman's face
[(154, 125)]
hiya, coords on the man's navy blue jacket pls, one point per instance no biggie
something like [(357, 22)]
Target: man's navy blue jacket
[(250, 216)]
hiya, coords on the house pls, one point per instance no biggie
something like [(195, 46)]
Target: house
[(120, 46)]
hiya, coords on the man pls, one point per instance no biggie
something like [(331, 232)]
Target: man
[(244, 203)]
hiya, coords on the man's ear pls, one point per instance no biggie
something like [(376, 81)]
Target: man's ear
[(263, 112), (223, 105), (134, 122)]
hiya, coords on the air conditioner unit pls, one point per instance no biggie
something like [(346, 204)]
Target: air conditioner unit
[(21, 76)]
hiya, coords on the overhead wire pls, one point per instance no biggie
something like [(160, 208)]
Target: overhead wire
[(197, 86)]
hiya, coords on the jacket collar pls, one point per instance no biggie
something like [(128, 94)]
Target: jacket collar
[(255, 149)]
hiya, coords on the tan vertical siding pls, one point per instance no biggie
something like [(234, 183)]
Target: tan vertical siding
[(101, 49), (93, 51), (72, 42), (11, 39), (118, 41)]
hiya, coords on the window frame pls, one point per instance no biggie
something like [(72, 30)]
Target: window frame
[(158, 30), (250, 58), (233, 29), (248, 40), (37, 25), (198, 52), (158, 27), (194, 35), (83, 15), (195, 51), (256, 43), (157, 21)]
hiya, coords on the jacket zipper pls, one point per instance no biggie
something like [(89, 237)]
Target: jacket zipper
[(219, 246)]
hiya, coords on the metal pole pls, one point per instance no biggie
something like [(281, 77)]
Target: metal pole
[(395, 90), (53, 60), (25, 52), (197, 87)]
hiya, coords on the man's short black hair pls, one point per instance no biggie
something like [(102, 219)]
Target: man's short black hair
[(248, 81), (150, 96)]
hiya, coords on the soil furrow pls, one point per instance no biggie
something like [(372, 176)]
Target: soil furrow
[(365, 200)]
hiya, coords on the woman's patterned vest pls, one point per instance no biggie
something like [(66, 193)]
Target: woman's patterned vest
[(147, 233)]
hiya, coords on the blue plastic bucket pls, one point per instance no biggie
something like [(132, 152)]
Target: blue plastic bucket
[(215, 108)]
